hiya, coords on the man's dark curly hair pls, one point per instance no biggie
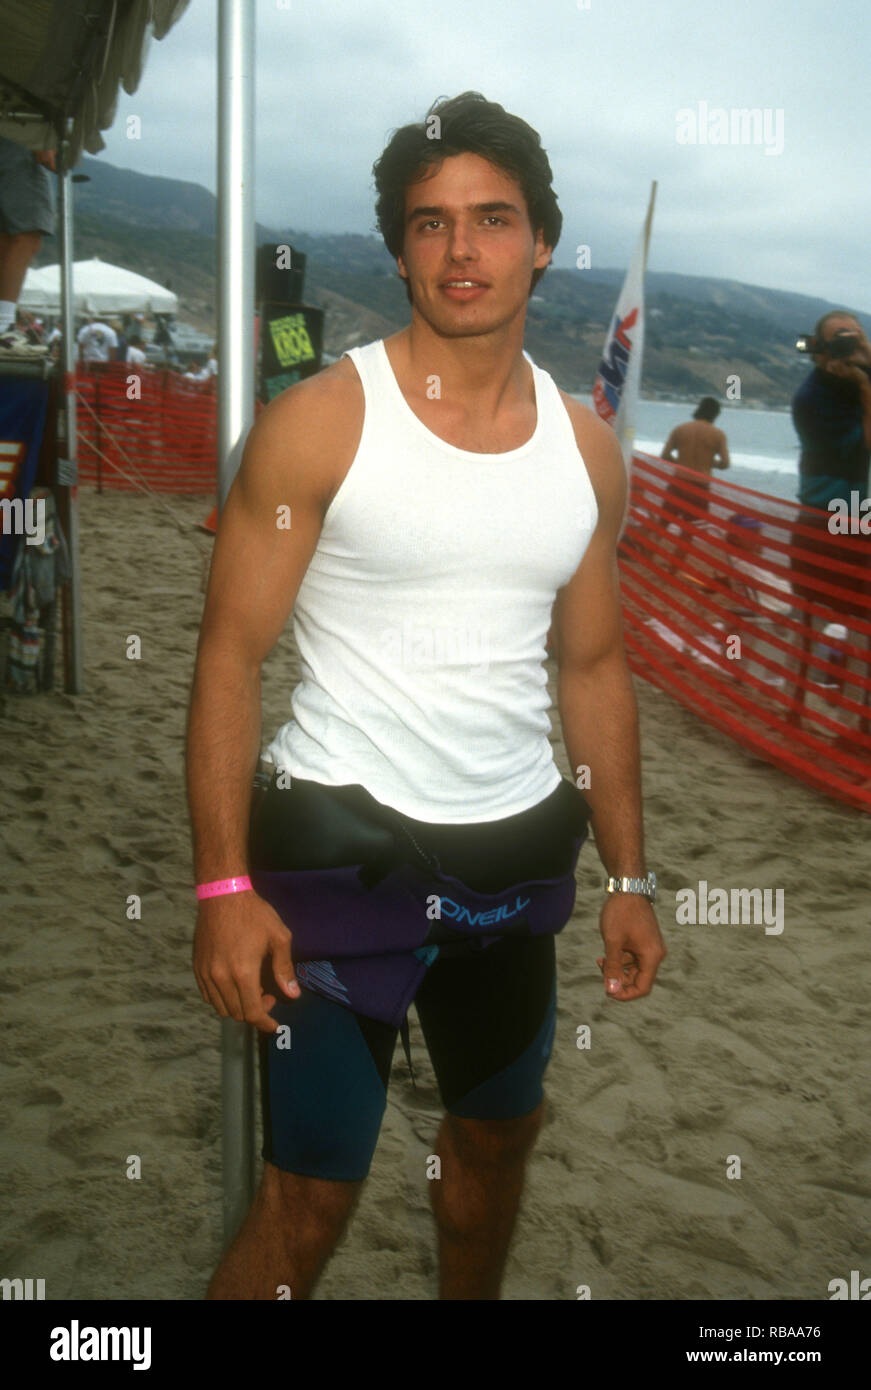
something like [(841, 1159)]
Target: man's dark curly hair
[(467, 124)]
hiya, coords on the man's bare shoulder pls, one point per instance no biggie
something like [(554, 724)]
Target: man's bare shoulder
[(330, 400), (599, 449), (311, 430), (589, 426)]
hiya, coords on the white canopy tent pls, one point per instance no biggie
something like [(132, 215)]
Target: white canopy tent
[(98, 288)]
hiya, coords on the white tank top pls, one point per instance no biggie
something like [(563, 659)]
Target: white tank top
[(422, 617)]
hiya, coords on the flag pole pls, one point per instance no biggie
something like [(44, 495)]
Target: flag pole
[(648, 223), (627, 427), (236, 31)]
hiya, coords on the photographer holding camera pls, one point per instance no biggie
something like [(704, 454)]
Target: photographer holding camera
[(831, 412)]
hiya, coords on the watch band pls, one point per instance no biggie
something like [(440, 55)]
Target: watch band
[(646, 886)]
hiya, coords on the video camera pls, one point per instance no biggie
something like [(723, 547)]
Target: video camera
[(843, 344)]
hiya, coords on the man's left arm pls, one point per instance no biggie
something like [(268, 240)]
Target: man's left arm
[(599, 716)]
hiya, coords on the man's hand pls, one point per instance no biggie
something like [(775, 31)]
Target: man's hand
[(849, 369), (46, 158), (633, 946), (235, 935)]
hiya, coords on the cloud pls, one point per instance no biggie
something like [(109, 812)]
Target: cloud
[(602, 85)]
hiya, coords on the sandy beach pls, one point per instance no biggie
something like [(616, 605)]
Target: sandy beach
[(752, 1044)]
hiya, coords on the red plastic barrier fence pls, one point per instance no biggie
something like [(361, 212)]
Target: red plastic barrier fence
[(756, 616), (149, 424)]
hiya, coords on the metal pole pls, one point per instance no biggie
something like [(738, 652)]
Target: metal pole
[(67, 466), (235, 417), (98, 406)]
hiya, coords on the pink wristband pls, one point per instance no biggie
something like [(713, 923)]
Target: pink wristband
[(224, 885)]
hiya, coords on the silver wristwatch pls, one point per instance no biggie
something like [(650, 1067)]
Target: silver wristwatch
[(645, 886)]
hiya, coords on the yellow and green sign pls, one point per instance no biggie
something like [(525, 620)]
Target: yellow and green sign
[(291, 340)]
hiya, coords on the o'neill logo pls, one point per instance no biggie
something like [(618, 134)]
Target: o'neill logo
[(460, 914), (612, 369)]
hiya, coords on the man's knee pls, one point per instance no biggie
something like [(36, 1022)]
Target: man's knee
[(314, 1203), (497, 1142)]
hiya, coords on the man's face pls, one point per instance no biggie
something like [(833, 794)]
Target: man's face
[(469, 248)]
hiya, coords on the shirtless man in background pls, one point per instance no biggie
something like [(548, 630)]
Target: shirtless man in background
[(697, 444)]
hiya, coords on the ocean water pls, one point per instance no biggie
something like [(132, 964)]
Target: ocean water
[(763, 445)]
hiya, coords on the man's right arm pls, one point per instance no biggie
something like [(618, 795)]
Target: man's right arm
[(295, 458)]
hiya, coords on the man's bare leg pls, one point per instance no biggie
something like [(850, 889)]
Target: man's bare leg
[(476, 1200), (16, 253), (287, 1237)]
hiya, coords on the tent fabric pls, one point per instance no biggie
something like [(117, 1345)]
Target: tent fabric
[(98, 287), (68, 58)]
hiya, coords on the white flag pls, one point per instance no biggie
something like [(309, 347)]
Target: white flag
[(618, 380)]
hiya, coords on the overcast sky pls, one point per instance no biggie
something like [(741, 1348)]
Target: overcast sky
[(604, 85)]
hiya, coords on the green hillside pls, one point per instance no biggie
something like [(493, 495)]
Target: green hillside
[(700, 330)]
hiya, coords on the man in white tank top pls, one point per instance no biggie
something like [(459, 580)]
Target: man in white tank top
[(448, 505)]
